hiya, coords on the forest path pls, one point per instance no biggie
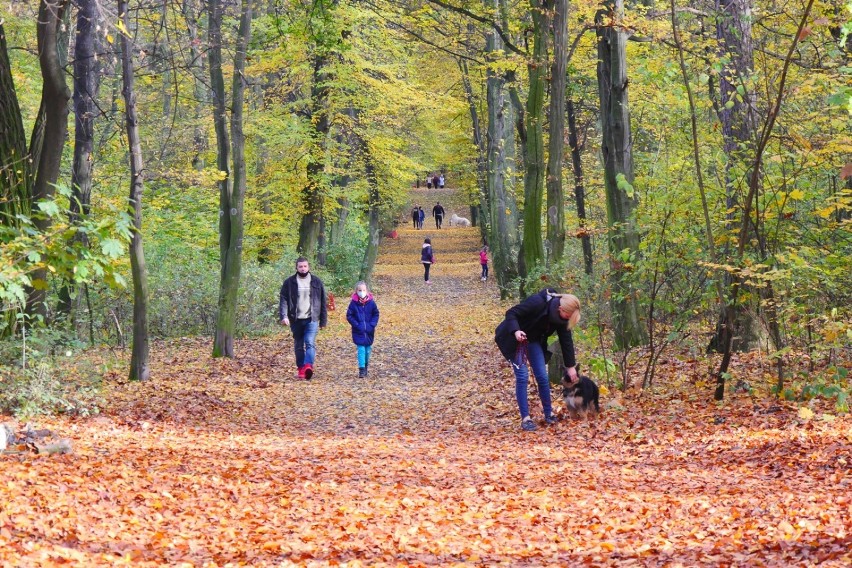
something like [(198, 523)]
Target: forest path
[(234, 462)]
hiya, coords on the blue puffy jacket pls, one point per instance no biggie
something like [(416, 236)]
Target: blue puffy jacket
[(363, 316)]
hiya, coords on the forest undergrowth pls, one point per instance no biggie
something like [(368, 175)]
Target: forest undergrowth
[(217, 462)]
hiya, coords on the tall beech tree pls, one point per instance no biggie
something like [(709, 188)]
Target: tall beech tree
[(324, 40), (232, 186), (731, 313), (617, 151), (139, 367), (556, 134), (15, 168), (499, 146), (579, 185), (533, 250), (738, 115), (86, 83), (54, 102)]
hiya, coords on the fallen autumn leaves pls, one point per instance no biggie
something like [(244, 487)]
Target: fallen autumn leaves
[(217, 462)]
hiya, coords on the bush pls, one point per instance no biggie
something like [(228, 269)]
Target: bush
[(833, 383), (45, 374)]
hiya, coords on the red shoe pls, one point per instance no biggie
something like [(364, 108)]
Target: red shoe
[(301, 374), (309, 371)]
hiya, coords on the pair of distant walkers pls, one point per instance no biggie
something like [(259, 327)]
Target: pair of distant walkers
[(418, 216), (303, 306)]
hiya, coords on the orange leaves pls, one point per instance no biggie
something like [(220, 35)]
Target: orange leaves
[(217, 462)]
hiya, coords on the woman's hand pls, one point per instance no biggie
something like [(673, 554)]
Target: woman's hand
[(572, 374), (520, 336)]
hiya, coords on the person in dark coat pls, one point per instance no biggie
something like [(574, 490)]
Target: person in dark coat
[(363, 316), (421, 216), (522, 339), (302, 305), (415, 216), (427, 257), (438, 213)]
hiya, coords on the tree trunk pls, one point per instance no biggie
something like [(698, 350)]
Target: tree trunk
[(220, 120), (264, 254), (313, 194), (616, 147), (86, 83), (730, 315), (338, 227), (55, 97), (16, 174), (196, 65), (15, 168), (738, 117), (533, 247), (579, 187), (231, 201), (481, 157), (374, 229), (556, 131), (139, 368), (502, 212)]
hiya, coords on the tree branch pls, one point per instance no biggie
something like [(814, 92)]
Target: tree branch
[(506, 41)]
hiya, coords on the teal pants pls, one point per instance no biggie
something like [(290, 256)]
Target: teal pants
[(364, 355)]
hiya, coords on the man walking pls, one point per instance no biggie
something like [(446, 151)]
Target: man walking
[(438, 214), (302, 306)]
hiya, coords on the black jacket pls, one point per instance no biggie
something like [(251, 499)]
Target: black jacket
[(533, 317), (437, 211), (290, 295)]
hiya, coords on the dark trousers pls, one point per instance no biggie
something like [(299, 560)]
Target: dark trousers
[(438, 220), (426, 266), (484, 271)]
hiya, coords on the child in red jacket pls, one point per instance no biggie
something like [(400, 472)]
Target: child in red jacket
[(483, 261)]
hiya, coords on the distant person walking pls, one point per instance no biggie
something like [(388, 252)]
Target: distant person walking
[(363, 316), (428, 182), (441, 181), (421, 216), (438, 213), (427, 257), (415, 216), (483, 261), (435, 181), (302, 306)]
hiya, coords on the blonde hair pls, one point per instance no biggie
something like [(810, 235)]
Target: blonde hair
[(570, 304)]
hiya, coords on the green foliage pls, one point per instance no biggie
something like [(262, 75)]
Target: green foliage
[(343, 259), (80, 253), (603, 368), (833, 383), (46, 372)]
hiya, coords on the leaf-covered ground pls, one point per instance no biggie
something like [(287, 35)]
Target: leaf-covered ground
[(234, 462)]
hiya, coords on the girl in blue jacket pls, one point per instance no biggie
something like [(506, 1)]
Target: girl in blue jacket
[(363, 316)]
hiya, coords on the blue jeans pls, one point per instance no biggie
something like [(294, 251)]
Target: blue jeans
[(535, 354), (364, 352), (305, 341)]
